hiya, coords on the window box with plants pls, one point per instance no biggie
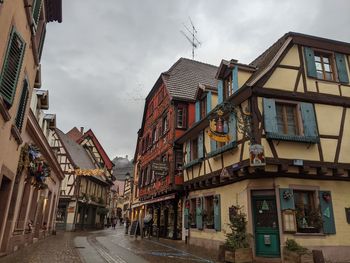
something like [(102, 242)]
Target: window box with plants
[(237, 246), (293, 253)]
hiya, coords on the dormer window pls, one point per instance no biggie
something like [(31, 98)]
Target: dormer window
[(324, 66), (228, 86), (181, 114)]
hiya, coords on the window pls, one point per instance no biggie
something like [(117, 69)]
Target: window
[(324, 66), (308, 215), (22, 106), (192, 214), (227, 87), (12, 67), (165, 124), (203, 107), (194, 149), (178, 160), (208, 213), (36, 8), (154, 135), (287, 121), (181, 116)]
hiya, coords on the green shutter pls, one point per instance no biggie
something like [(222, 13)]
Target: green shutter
[(188, 151), (212, 145), (41, 43), (209, 102), (200, 145), (327, 212), (232, 127), (186, 215), (220, 91), (198, 111), (341, 67), (217, 213), (36, 11), (270, 118), (12, 67), (234, 79), (287, 199), (309, 120), (310, 62), (22, 106), (199, 213)]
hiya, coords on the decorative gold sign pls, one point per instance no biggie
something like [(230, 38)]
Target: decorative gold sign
[(216, 129), (89, 172)]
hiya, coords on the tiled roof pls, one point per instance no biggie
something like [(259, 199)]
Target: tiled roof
[(74, 134), (183, 78)]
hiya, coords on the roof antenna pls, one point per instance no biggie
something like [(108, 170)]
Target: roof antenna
[(192, 36)]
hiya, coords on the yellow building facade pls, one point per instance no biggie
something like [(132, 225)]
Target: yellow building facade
[(285, 156)]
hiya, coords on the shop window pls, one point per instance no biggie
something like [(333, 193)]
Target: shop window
[(287, 118), (308, 215), (192, 214), (181, 116), (208, 213)]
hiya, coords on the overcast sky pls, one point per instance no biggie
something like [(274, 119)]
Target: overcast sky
[(101, 62)]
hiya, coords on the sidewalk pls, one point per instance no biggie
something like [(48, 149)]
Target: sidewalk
[(53, 249)]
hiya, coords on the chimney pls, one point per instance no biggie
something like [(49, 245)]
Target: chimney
[(82, 130)]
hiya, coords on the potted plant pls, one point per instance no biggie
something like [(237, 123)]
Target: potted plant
[(237, 246), (294, 253)]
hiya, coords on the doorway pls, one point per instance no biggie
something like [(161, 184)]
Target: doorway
[(265, 219)]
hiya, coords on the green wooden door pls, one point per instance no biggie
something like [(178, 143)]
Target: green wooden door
[(267, 240)]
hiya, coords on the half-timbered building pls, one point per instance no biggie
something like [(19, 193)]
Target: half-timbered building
[(84, 195), (167, 114), (278, 146)]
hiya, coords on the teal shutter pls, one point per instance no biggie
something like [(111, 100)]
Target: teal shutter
[(270, 117), (232, 127), (212, 145), (198, 111), (287, 199), (234, 79), (309, 120), (217, 213), (186, 215), (310, 62), (200, 145), (341, 67), (188, 151), (11, 67), (327, 212), (209, 102), (41, 43), (220, 92), (22, 106), (36, 11), (199, 216)]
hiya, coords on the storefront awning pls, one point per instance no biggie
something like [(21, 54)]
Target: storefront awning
[(154, 200)]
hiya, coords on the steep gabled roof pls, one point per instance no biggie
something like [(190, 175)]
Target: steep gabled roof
[(74, 134)]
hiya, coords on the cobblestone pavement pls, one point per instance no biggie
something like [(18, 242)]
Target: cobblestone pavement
[(111, 246)]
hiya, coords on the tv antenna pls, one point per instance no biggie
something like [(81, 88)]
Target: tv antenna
[(191, 36)]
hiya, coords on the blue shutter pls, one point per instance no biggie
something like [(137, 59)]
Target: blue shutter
[(234, 79), (309, 120), (232, 127), (287, 199), (200, 145), (188, 151), (209, 102), (198, 111), (270, 117), (341, 67), (327, 212), (220, 92), (212, 145), (199, 216), (186, 215), (217, 213), (310, 62)]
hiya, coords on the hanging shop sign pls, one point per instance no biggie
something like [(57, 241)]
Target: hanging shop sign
[(218, 130), (257, 155), (89, 172), (160, 168)]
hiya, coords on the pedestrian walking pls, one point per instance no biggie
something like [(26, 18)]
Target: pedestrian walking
[(114, 222), (127, 224)]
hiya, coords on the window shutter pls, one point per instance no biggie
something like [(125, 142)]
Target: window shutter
[(11, 67), (220, 92), (341, 67), (232, 127), (217, 213), (184, 116), (209, 102), (188, 151), (309, 120), (270, 116), (41, 42), (287, 199), (327, 212), (199, 216), (200, 145), (186, 214), (212, 145), (22, 106), (234, 79), (310, 62), (198, 111), (36, 10)]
